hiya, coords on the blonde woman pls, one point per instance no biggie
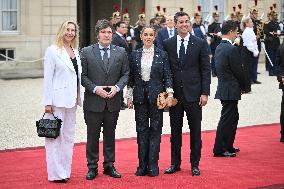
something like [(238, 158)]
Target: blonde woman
[(249, 51), (62, 93)]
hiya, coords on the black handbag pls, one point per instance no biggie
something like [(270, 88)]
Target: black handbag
[(48, 128)]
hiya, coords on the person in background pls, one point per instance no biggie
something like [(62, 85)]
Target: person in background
[(279, 72), (119, 39), (62, 93), (149, 76), (167, 32), (231, 84), (249, 50)]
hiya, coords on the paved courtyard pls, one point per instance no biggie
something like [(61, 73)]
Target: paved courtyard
[(20, 108)]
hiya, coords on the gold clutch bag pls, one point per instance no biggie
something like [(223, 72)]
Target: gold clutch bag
[(161, 100)]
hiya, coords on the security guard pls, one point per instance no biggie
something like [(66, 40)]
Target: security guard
[(214, 32), (272, 41)]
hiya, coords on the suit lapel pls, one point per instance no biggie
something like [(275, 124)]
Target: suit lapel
[(113, 53), (63, 55), (155, 60), (98, 56), (174, 47), (189, 45)]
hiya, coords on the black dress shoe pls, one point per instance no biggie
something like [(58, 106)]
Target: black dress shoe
[(92, 174), (234, 150), (172, 169), (111, 171), (153, 172), (141, 171), (282, 139), (195, 171), (225, 154), (61, 181), (256, 82)]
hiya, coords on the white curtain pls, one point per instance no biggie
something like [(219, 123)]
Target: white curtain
[(9, 15)]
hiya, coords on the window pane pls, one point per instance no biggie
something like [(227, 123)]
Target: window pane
[(11, 54), (5, 20), (6, 4), (13, 23), (13, 4), (2, 52)]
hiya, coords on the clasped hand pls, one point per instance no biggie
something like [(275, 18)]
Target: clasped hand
[(106, 91)]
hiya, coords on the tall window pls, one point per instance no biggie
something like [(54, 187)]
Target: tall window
[(9, 15), (207, 7)]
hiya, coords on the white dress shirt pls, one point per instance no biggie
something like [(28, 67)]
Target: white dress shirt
[(250, 41), (185, 43)]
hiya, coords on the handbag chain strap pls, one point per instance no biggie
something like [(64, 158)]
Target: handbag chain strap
[(52, 114)]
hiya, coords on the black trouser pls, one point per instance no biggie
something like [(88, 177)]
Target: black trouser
[(282, 114), (148, 135), (94, 121), (227, 127), (194, 117), (247, 65)]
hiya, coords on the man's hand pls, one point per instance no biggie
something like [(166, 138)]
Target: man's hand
[(129, 103), (101, 92), (282, 80), (203, 100), (112, 91)]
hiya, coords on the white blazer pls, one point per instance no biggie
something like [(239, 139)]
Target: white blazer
[(60, 79)]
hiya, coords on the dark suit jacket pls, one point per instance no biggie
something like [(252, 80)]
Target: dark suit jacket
[(118, 41), (160, 77), (163, 35), (279, 65), (229, 71), (195, 74), (95, 73)]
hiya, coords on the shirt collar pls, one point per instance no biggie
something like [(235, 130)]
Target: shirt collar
[(185, 39), (151, 49), (102, 47), (226, 39), (118, 33)]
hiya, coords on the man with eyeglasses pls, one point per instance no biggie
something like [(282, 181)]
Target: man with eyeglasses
[(105, 72)]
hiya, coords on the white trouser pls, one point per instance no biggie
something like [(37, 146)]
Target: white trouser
[(59, 151)]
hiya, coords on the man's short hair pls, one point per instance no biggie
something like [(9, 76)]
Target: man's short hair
[(119, 23), (102, 24), (180, 14), (228, 26)]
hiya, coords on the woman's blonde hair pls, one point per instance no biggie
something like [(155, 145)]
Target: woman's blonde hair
[(245, 20), (60, 35)]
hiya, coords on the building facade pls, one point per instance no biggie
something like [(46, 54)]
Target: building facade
[(27, 27)]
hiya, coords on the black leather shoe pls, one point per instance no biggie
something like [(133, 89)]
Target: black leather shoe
[(225, 154), (172, 169), (141, 171), (92, 174), (256, 82), (61, 181), (195, 171), (153, 172), (282, 139), (234, 150), (111, 171)]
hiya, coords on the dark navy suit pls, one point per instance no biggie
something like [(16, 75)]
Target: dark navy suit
[(191, 79), (163, 35), (230, 84), (145, 95)]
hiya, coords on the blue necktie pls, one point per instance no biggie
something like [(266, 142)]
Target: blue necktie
[(182, 51), (171, 33), (105, 57)]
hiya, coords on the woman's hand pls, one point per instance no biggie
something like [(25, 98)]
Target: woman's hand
[(130, 103), (48, 109)]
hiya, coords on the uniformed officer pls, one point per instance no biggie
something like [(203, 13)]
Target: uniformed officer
[(214, 32)]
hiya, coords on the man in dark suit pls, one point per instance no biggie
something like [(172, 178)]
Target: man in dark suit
[(279, 72), (167, 32), (118, 39), (105, 72), (189, 62), (231, 83)]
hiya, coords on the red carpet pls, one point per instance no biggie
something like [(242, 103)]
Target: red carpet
[(259, 164)]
